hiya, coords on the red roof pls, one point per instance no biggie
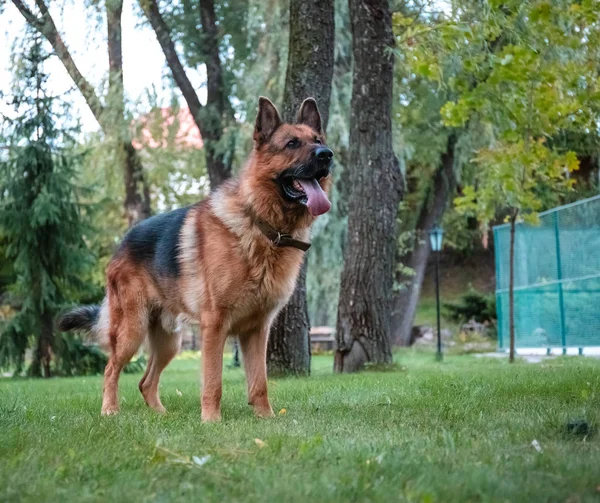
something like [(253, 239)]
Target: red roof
[(148, 127)]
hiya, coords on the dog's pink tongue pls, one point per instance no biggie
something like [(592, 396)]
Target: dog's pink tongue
[(317, 199)]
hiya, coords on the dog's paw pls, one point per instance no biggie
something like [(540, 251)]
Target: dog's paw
[(159, 409), (109, 411), (264, 412), (211, 417)]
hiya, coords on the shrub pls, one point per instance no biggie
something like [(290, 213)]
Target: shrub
[(472, 306)]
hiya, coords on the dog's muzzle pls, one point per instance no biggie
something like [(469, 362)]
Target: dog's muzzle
[(301, 183)]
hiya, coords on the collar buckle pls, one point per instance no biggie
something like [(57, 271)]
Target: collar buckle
[(275, 236)]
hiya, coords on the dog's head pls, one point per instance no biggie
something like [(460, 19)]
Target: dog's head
[(291, 164)]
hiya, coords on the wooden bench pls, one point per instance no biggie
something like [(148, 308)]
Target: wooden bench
[(322, 338)]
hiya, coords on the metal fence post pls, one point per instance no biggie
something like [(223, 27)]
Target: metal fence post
[(561, 302), (499, 320)]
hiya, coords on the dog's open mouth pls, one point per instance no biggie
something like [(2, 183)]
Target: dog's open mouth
[(307, 191)]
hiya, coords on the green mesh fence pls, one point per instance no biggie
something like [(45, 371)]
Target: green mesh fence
[(557, 279)]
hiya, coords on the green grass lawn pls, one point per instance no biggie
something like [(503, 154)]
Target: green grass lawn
[(457, 431)]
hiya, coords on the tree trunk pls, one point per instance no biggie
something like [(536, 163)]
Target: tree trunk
[(42, 355), (137, 194), (309, 73), (288, 350), (364, 312), (110, 117), (210, 119), (511, 289), (218, 158), (434, 205), (116, 95)]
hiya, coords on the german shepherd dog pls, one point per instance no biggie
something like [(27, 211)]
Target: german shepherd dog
[(230, 262)]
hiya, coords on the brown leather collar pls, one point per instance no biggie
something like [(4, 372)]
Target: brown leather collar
[(277, 238)]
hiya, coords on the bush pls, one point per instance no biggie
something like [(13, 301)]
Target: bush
[(472, 306)]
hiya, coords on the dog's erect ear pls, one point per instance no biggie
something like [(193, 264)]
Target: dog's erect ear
[(309, 115), (267, 120)]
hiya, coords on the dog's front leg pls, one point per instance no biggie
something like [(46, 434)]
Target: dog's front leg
[(254, 350), (213, 342)]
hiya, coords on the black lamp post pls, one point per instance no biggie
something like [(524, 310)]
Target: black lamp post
[(435, 238)]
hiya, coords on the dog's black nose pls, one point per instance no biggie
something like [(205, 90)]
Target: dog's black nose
[(324, 154)]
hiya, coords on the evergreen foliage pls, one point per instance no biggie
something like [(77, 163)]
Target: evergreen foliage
[(40, 217), (473, 305)]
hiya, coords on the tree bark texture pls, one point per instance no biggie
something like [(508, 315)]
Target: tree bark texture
[(218, 158), (210, 119), (288, 348), (309, 74), (432, 210), (114, 11), (110, 117), (42, 354), (137, 193), (364, 312)]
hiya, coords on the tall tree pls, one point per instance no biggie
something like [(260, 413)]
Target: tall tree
[(434, 65), (110, 112), (364, 313), (212, 118), (40, 217), (329, 232), (435, 200), (541, 87), (309, 73)]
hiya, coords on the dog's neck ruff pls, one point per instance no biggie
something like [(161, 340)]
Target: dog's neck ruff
[(278, 238)]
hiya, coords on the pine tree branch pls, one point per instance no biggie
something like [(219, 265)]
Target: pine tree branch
[(46, 26), (161, 30)]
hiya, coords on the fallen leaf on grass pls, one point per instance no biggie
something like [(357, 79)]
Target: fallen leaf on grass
[(201, 461), (179, 393), (162, 454), (282, 412), (536, 445), (260, 443)]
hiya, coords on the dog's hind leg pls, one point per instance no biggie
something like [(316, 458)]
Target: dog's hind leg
[(147, 372), (254, 351), (164, 343), (128, 328)]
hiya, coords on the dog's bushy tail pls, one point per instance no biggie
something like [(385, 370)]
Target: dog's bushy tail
[(89, 319), (81, 318)]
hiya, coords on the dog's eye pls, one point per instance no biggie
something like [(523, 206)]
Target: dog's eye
[(317, 141), (293, 143)]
